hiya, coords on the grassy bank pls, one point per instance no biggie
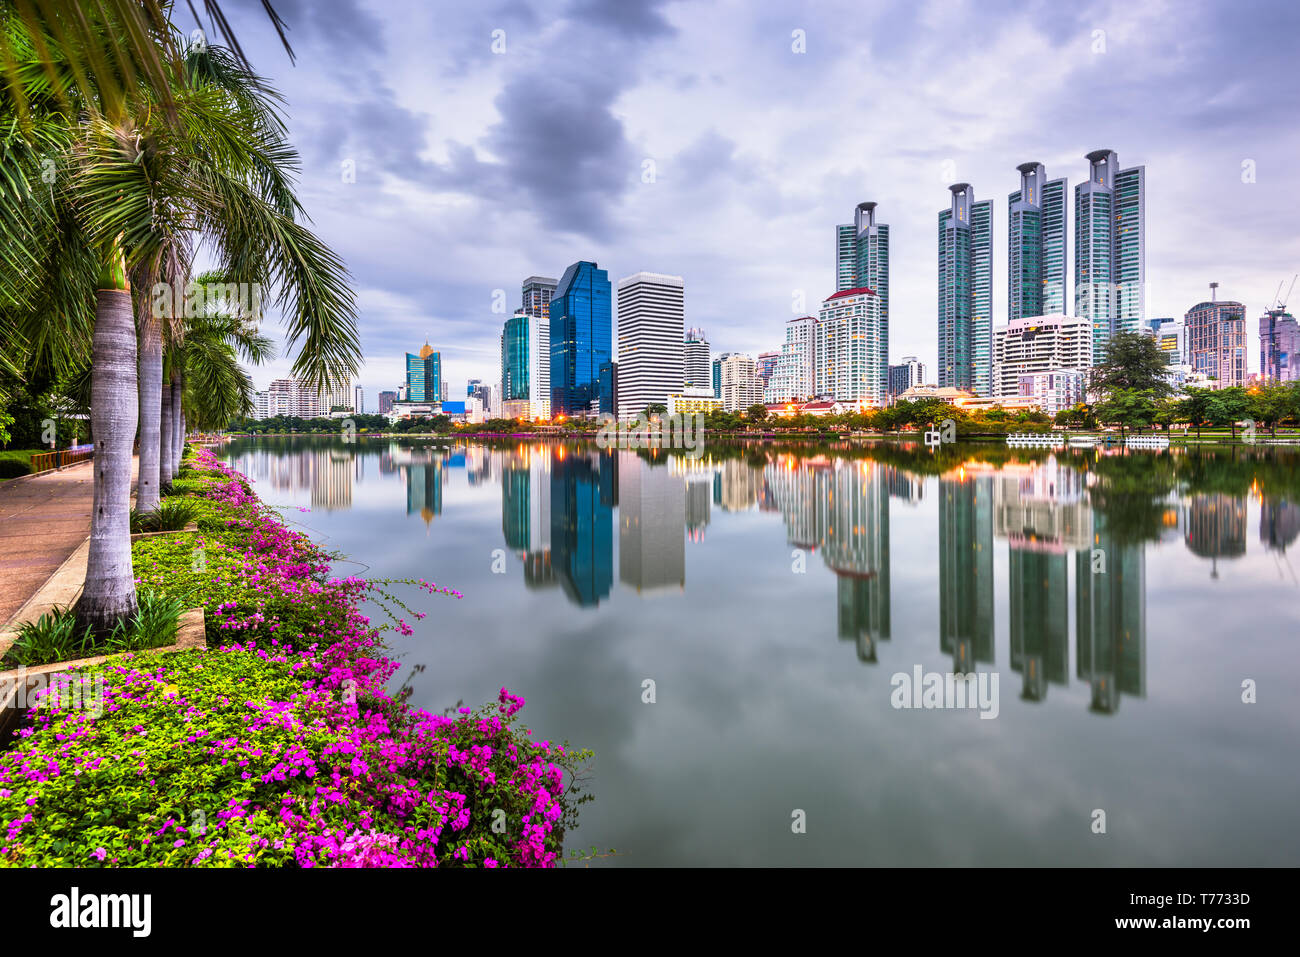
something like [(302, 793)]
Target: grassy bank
[(280, 745)]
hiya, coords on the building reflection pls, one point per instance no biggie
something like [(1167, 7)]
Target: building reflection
[(652, 525), (840, 507), (1279, 523), (1042, 511), (1110, 602), (1216, 528), (583, 490), (966, 567)]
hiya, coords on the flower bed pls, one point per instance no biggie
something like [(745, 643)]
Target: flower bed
[(280, 747)]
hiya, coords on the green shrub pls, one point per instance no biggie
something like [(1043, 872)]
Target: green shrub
[(55, 635), (171, 515), (13, 468)]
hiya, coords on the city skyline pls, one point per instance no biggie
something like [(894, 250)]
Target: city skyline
[(487, 184)]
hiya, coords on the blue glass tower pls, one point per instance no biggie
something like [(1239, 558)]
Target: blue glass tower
[(581, 338), (424, 375)]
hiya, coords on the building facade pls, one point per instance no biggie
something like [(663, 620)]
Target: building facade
[(862, 256), (910, 372), (1054, 391), (739, 382), (536, 294), (293, 397), (966, 292), (1216, 339), (850, 356), (1110, 248), (1279, 346), (424, 375), (526, 367), (386, 400), (795, 367), (1038, 344), (697, 364), (1036, 245), (581, 327), (651, 347)]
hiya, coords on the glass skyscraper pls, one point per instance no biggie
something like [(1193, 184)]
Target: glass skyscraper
[(424, 375), (1110, 248), (1036, 245), (966, 292), (862, 261), (581, 338)]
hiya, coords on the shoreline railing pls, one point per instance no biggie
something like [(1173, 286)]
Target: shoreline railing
[(47, 461)]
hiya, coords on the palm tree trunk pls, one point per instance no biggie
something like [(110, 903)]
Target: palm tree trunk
[(152, 430), (178, 390), (168, 436), (109, 592)]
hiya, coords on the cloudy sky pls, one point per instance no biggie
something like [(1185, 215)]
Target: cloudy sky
[(496, 140)]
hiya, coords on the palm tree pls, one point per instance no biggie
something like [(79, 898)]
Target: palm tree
[(138, 178)]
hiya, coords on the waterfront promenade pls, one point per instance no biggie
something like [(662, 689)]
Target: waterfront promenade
[(43, 518)]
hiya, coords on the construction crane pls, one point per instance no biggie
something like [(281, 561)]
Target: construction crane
[(1279, 303)]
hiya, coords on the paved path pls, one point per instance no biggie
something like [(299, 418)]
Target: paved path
[(42, 521)]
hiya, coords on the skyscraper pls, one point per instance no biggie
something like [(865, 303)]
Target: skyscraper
[(966, 292), (862, 262), (651, 320), (696, 360), (1216, 338), (1110, 248), (537, 293), (526, 367), (424, 375), (359, 400), (717, 373), (851, 360), (1279, 345), (1036, 245), (580, 330)]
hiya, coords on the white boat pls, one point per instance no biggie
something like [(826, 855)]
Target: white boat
[(1146, 441), (1034, 440)]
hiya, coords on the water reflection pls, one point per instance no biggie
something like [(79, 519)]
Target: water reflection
[(1076, 523)]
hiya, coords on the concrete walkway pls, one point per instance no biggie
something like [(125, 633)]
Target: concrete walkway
[(43, 519)]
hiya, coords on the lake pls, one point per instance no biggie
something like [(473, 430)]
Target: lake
[(760, 644)]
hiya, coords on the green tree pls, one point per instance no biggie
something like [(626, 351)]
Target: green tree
[(756, 413), (1127, 408), (1132, 362), (138, 179)]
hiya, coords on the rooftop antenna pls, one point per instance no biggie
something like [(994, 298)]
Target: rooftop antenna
[(1213, 294)]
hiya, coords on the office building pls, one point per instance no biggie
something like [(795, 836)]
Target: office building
[(717, 372), (293, 397), (966, 292), (1216, 339), (1038, 344), (1279, 346), (795, 367), (261, 405), (851, 349), (1036, 245), (1110, 248), (651, 325), (359, 400), (767, 366), (1170, 335), (697, 367), (526, 367), (424, 375), (386, 400), (608, 388), (581, 327), (906, 374), (537, 293), (738, 375)]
